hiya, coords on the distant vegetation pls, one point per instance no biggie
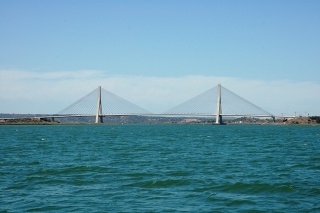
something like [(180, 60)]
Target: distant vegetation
[(41, 119), (315, 118)]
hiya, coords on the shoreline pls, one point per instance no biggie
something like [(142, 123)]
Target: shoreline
[(305, 121)]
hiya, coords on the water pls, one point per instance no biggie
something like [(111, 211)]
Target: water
[(159, 168)]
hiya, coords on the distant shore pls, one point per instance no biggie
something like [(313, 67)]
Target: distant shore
[(26, 121), (314, 120)]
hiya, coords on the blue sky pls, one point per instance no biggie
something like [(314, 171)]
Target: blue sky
[(249, 40)]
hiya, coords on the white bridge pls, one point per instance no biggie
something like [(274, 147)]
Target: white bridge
[(215, 102)]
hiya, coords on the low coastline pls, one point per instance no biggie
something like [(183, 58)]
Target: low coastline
[(315, 120)]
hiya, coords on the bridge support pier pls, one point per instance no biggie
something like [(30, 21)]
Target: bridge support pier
[(99, 117), (219, 110)]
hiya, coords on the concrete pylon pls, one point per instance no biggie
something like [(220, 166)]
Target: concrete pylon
[(99, 118), (219, 110)]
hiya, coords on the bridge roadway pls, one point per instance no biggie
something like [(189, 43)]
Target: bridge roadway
[(167, 115), (154, 115)]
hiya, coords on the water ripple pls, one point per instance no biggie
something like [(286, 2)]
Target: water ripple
[(159, 168)]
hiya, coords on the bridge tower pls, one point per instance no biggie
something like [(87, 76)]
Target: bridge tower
[(219, 110), (99, 117)]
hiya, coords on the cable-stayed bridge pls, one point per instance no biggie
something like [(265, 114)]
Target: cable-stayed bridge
[(215, 102)]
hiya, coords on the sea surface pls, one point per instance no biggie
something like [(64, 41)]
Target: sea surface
[(159, 168)]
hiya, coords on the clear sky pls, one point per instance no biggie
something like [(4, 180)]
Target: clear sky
[(74, 42)]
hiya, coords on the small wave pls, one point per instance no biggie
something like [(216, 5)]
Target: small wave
[(179, 174), (45, 208), (240, 202), (71, 170), (256, 188), (159, 183), (17, 186)]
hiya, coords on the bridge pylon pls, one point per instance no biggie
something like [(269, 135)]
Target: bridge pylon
[(99, 117), (219, 109)]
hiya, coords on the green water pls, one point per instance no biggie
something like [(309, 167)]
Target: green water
[(159, 168)]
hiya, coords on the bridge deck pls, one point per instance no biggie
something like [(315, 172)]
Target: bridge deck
[(161, 115)]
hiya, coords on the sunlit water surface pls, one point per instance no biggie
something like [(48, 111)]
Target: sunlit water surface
[(160, 168)]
